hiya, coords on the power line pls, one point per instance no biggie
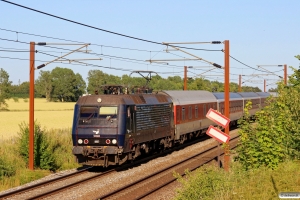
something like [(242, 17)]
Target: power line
[(82, 64), (245, 64), (115, 47), (100, 45), (59, 48), (100, 29)]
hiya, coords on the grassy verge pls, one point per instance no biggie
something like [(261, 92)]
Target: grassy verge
[(13, 167), (210, 182)]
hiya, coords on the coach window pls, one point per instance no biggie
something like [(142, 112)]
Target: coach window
[(196, 111), (190, 112), (204, 110), (183, 114)]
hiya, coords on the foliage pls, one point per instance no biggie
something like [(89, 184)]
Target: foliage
[(4, 88), (7, 161), (260, 145), (20, 91), (67, 86), (14, 171), (44, 85), (97, 78), (276, 134), (16, 99), (210, 182), (43, 152)]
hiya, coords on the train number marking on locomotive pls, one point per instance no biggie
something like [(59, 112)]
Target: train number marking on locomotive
[(217, 134), (218, 118)]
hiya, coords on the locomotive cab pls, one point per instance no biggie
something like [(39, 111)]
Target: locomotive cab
[(98, 130)]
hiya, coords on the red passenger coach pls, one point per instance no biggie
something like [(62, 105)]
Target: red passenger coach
[(190, 108)]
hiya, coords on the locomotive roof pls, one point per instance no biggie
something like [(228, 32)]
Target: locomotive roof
[(133, 99), (94, 99), (232, 96), (182, 97)]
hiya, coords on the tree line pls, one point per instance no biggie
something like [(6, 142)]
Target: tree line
[(62, 84)]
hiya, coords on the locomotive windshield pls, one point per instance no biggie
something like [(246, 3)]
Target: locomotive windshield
[(108, 112), (94, 115)]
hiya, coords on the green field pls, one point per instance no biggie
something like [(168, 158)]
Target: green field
[(52, 115)]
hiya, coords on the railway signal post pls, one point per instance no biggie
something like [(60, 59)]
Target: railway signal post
[(213, 132)]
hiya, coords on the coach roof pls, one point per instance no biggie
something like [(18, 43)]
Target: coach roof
[(183, 97)]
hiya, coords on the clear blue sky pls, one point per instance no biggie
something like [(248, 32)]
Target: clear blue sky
[(260, 33)]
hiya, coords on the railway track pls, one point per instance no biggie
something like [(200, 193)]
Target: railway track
[(58, 185), (139, 188), (153, 182), (53, 186)]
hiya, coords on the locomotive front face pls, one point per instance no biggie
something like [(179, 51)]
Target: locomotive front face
[(98, 132)]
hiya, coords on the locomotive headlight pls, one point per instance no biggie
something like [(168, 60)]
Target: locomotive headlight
[(86, 141), (80, 141), (114, 141)]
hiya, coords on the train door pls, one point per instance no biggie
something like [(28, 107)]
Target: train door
[(178, 114)]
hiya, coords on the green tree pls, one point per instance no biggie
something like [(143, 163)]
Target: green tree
[(44, 85), (67, 86), (5, 85), (96, 78), (276, 135)]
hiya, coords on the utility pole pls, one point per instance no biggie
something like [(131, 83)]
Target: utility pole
[(240, 83), (31, 106), (285, 74), (265, 85), (226, 103), (185, 78)]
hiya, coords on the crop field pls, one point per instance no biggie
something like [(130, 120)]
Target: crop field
[(51, 115)]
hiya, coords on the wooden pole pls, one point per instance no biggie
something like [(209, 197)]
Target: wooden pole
[(285, 74), (185, 78), (226, 103), (240, 83), (31, 106), (265, 85)]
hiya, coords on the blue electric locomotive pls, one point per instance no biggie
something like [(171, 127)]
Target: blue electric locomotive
[(111, 129)]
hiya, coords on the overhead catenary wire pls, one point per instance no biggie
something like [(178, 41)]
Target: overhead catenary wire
[(100, 29), (116, 47), (101, 45), (114, 57), (79, 63), (61, 39)]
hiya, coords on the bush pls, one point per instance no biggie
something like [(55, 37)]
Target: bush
[(210, 182), (43, 152), (7, 167), (25, 100), (9, 160), (60, 141), (16, 99), (261, 145)]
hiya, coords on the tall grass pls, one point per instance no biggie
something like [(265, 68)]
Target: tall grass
[(14, 166), (210, 182)]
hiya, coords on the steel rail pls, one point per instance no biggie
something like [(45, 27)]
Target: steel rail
[(117, 193)]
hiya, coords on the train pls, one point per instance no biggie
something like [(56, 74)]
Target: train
[(116, 127)]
